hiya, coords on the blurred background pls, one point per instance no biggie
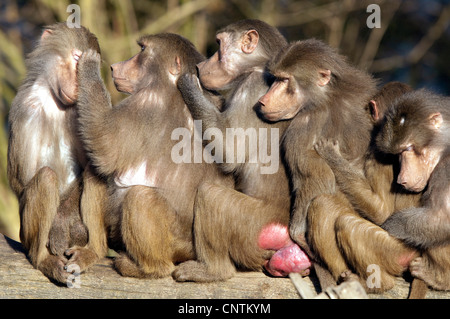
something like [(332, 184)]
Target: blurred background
[(412, 44)]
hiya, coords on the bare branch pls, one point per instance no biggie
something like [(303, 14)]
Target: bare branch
[(171, 17), (421, 48), (175, 15), (322, 12), (377, 34), (432, 35)]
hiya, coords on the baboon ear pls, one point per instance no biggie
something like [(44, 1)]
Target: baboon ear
[(324, 77), (249, 41), (436, 120), (374, 110), (175, 68), (46, 33)]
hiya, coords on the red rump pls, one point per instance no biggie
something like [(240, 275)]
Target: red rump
[(289, 256)]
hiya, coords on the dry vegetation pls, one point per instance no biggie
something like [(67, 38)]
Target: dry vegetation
[(118, 23)]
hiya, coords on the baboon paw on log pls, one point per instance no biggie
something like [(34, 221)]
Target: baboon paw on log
[(199, 272)]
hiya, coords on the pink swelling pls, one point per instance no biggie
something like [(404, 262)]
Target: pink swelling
[(288, 259), (289, 256)]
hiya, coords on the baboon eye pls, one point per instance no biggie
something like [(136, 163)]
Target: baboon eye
[(142, 47), (409, 148), (402, 120)]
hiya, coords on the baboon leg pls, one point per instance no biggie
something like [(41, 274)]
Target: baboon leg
[(38, 208), (146, 233), (321, 235), (223, 236), (93, 207), (372, 253), (67, 228)]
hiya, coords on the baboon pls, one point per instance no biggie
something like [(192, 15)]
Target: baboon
[(417, 130), (45, 157), (151, 194), (325, 97), (375, 195), (244, 226)]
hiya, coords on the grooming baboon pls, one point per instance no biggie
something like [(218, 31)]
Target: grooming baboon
[(325, 98), (242, 226), (150, 213), (374, 194)]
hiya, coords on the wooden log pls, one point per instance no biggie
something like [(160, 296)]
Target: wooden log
[(18, 279)]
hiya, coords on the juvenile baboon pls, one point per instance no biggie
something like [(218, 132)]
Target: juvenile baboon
[(417, 130), (374, 194)]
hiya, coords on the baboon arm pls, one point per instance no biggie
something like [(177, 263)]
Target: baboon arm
[(95, 114), (316, 178), (360, 193), (428, 225), (203, 109), (354, 183), (200, 107), (421, 227)]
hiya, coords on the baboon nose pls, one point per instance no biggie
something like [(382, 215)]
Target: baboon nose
[(401, 181), (261, 100), (199, 67), (112, 70)]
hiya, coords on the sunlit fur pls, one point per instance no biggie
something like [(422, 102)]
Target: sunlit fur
[(45, 156), (228, 221), (428, 226), (151, 198)]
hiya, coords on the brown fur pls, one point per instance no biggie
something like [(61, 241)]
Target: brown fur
[(45, 156), (228, 221), (412, 121), (374, 194), (326, 97), (149, 214)]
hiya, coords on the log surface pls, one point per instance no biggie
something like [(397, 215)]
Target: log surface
[(18, 279)]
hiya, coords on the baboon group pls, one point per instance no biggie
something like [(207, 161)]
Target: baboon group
[(363, 175)]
